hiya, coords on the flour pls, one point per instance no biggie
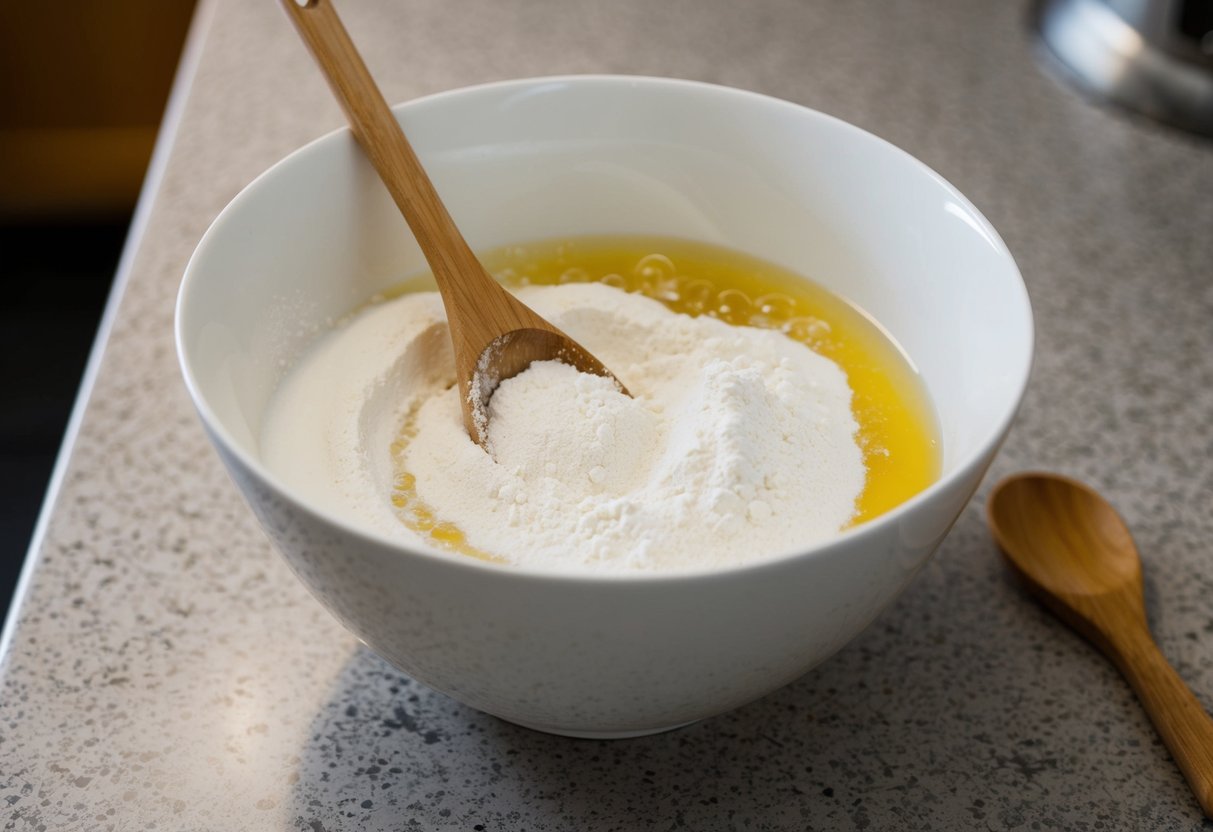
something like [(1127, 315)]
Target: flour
[(576, 430), (736, 444)]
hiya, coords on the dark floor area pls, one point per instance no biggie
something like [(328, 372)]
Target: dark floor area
[(56, 279)]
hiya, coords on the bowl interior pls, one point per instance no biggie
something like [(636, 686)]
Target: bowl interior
[(317, 235)]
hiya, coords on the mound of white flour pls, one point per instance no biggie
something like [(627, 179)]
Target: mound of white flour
[(738, 443)]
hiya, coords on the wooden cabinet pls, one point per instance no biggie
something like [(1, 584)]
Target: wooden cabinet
[(82, 89)]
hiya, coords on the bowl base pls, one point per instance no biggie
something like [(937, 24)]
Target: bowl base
[(597, 735)]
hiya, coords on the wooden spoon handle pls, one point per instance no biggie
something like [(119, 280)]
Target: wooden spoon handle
[(1179, 718), (376, 129)]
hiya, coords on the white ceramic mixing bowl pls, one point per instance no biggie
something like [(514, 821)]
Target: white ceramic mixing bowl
[(317, 235)]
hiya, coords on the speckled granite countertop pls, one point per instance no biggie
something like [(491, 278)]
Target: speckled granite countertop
[(162, 669)]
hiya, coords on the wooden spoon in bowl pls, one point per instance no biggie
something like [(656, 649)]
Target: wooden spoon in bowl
[(1076, 555), (494, 335)]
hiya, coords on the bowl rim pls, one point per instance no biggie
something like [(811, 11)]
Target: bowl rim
[(985, 445)]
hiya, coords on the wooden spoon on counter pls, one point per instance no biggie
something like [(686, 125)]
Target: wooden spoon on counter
[(1076, 555), (494, 335)]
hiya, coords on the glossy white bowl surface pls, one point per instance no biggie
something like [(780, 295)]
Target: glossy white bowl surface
[(317, 235)]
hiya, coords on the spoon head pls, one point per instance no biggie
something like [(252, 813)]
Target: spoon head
[(509, 354), (1063, 537)]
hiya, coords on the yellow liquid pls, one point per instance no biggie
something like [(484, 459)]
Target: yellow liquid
[(897, 428)]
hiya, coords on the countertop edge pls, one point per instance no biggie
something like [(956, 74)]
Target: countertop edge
[(166, 137)]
